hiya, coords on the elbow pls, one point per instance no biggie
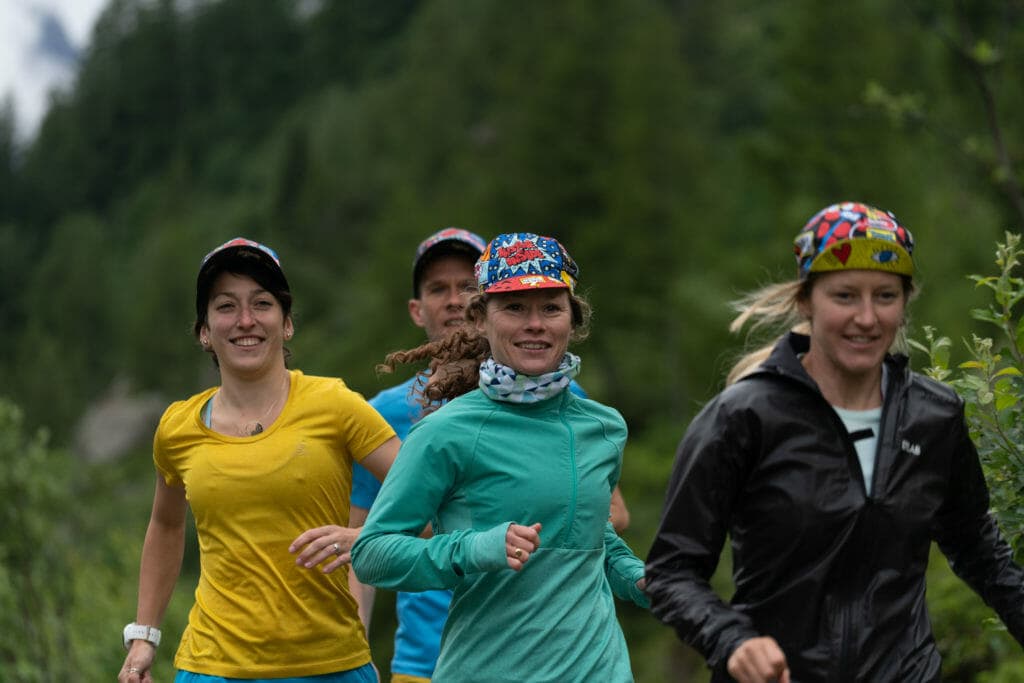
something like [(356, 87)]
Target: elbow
[(369, 560)]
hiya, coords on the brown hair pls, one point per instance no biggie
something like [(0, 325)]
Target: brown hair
[(454, 361)]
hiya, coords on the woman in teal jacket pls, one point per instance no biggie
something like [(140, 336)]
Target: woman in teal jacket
[(516, 475)]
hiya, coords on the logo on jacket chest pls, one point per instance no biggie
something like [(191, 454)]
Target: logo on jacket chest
[(910, 447)]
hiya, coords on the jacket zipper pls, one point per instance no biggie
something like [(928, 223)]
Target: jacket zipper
[(844, 645), (886, 434), (893, 409)]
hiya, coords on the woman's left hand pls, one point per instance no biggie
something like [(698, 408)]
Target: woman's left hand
[(329, 542)]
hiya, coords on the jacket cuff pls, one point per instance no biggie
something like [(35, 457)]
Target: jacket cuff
[(487, 553), (638, 597), (730, 641)]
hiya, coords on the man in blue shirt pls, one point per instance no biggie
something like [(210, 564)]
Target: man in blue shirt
[(442, 282)]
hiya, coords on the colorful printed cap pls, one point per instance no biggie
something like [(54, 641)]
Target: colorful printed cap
[(518, 261), (449, 240), (850, 236), (214, 263)]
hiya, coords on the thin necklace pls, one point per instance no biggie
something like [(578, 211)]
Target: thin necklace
[(254, 428), (257, 428)]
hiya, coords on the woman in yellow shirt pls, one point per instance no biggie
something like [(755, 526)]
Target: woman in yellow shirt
[(264, 462)]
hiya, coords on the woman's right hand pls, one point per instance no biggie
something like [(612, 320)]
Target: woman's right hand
[(138, 663), (331, 544), (520, 542), (759, 660)]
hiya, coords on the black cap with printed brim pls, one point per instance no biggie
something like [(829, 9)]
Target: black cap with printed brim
[(236, 251)]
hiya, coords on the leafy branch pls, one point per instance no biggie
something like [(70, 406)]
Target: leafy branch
[(992, 383)]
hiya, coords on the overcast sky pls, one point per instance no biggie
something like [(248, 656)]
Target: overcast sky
[(24, 70)]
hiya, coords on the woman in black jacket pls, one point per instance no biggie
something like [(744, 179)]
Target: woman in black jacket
[(831, 467)]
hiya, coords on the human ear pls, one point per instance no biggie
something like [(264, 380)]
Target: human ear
[(803, 307), (416, 312)]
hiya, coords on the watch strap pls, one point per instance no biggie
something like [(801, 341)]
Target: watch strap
[(135, 631)]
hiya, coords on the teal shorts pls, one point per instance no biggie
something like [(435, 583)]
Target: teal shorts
[(364, 674)]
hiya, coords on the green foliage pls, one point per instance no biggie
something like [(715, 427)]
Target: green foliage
[(35, 586), (65, 588), (1004, 672), (991, 382), (674, 147), (67, 293), (654, 144), (965, 629)]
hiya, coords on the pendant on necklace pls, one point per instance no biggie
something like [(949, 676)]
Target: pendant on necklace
[(258, 429)]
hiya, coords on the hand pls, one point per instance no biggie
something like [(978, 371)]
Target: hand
[(330, 542), (520, 543), (759, 660), (138, 663)]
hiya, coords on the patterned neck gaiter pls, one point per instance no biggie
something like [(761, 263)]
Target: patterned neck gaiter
[(502, 383)]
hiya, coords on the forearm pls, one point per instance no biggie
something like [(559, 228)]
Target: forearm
[(623, 569), (682, 559), (968, 535), (619, 513), (707, 477), (162, 554), (365, 596), (400, 561), (682, 597), (984, 561), (699, 617)]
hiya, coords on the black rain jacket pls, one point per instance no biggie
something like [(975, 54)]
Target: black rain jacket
[(836, 576)]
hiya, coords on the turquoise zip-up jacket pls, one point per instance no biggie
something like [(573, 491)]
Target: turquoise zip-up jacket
[(473, 468)]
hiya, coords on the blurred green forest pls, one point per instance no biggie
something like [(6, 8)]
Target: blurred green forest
[(674, 147)]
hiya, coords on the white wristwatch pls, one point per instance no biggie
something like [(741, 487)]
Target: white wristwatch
[(135, 631)]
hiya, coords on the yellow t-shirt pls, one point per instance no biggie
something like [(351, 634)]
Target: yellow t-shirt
[(256, 613)]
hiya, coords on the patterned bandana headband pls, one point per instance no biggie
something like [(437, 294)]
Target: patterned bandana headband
[(850, 236), (521, 261)]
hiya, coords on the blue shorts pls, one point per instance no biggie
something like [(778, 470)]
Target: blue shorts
[(364, 674)]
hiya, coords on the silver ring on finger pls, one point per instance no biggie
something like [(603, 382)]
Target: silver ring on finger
[(133, 670), (336, 548)]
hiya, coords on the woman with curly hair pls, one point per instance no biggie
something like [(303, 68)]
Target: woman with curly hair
[(516, 473)]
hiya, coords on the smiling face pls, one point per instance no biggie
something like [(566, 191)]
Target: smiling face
[(528, 330), (854, 318), (444, 288), (245, 326)]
